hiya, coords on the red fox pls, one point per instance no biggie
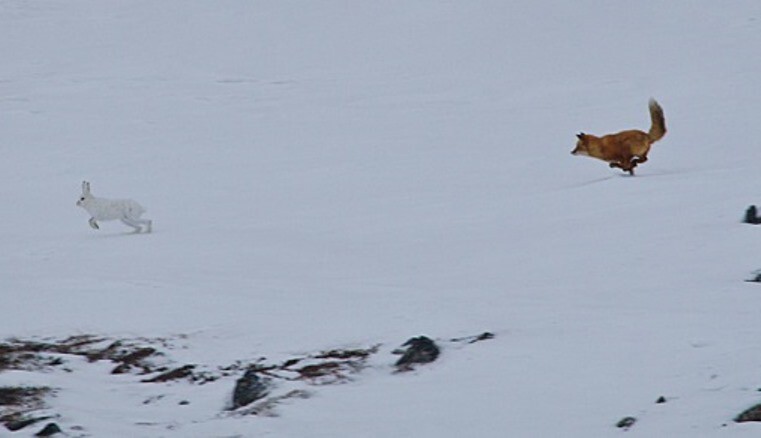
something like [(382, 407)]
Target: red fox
[(625, 149)]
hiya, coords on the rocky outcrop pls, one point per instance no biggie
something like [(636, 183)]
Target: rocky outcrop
[(260, 387)]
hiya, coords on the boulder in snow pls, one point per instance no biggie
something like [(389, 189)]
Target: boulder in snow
[(249, 388), (419, 350)]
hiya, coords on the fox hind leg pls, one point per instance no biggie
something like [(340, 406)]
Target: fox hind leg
[(639, 159)]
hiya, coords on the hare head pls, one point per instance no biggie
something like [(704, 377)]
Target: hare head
[(86, 195)]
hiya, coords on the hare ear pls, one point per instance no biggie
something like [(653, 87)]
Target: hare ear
[(85, 187)]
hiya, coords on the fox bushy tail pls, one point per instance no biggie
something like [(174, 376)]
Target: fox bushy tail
[(658, 127)]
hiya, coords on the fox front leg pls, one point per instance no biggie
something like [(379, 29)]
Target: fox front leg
[(626, 168), (93, 223)]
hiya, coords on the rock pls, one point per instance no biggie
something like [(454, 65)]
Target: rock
[(19, 424), (626, 422), (49, 430), (661, 399), (320, 370), (755, 279), (419, 350), (485, 336), (175, 374), (249, 388), (21, 395), (133, 359), (751, 216), (750, 414)]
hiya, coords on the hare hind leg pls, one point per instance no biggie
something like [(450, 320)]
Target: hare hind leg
[(129, 222), (138, 224)]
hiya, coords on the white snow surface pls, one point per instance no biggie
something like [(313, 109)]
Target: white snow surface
[(344, 174)]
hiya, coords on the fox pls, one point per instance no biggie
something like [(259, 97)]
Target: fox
[(625, 149)]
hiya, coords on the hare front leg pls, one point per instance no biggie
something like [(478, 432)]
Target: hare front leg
[(93, 223)]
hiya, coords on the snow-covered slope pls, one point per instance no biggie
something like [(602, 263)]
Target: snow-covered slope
[(333, 174)]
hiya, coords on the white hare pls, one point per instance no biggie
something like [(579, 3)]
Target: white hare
[(101, 209)]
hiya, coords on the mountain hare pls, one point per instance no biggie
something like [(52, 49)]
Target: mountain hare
[(101, 209)]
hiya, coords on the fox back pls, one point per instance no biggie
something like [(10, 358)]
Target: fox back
[(624, 149), (618, 147)]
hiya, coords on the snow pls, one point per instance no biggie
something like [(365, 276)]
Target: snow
[(338, 174)]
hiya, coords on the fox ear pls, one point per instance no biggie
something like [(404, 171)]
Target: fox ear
[(580, 135)]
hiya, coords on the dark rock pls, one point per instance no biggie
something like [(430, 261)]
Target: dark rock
[(419, 350), (661, 399), (175, 374), (319, 370), (22, 395), (12, 395), (750, 414), (249, 388), (626, 422), (755, 279), (751, 216), (290, 362), (345, 354), (107, 352), (49, 430), (184, 403), (137, 355), (121, 369), (485, 336), (133, 359), (22, 423)]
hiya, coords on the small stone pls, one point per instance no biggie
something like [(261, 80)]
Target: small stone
[(626, 422), (485, 336), (751, 216), (661, 399), (755, 279), (49, 430), (184, 403)]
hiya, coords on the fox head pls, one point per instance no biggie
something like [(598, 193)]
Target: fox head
[(582, 147)]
